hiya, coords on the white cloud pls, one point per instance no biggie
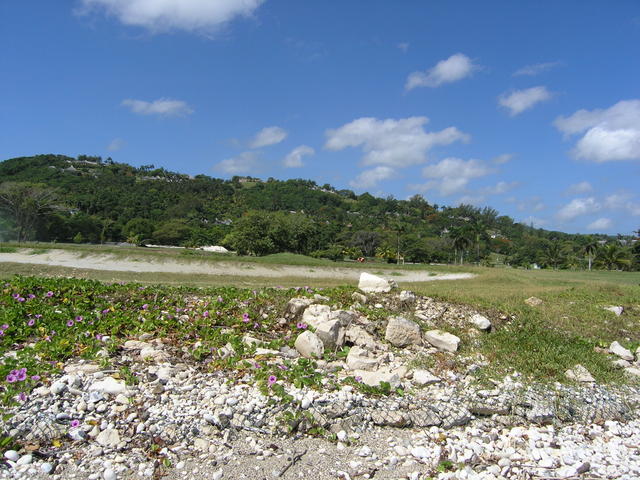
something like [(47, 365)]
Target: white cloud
[(370, 178), (500, 188), (579, 188), (475, 200), (535, 69), (454, 68), (600, 224), (164, 107), (520, 100), (578, 207), (502, 159), (164, 15), (294, 158), (404, 46), (453, 174), (116, 144), (268, 136), (533, 204), (622, 202), (395, 143), (244, 163), (609, 135)]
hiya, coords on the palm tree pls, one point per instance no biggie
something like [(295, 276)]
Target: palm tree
[(553, 254), (590, 249), (613, 256), (461, 241), (479, 231)]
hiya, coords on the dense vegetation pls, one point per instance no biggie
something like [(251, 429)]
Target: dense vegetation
[(91, 200)]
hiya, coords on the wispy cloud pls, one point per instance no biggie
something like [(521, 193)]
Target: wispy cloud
[(395, 143), (518, 101), (502, 159), (454, 68), (268, 136), (578, 207), (246, 162), (163, 107), (579, 188), (609, 135), (600, 224), (116, 144), (452, 175), (404, 46), (204, 16), (370, 178), (536, 69), (294, 158)]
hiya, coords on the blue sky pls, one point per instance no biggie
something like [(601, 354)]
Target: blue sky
[(532, 108)]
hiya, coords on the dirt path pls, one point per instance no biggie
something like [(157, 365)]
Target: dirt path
[(64, 258)]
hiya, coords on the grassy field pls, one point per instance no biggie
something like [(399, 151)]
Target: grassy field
[(568, 328)]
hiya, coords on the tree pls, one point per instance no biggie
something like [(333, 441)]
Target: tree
[(613, 256), (590, 250), (26, 204), (553, 254), (461, 241)]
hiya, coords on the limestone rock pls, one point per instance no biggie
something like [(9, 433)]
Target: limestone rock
[(615, 309), (579, 374), (314, 315), (373, 379), (373, 284), (309, 345), (407, 297), (401, 332), (108, 438), (481, 322), (108, 385), (621, 352), (359, 336), (297, 305), (331, 333), (442, 340), (533, 301), (358, 297), (360, 359), (424, 377), (633, 371)]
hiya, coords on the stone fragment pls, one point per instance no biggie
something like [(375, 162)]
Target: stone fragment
[(373, 379), (297, 305), (359, 359), (633, 371), (12, 455), (108, 385), (108, 438), (331, 333), (359, 336), (424, 377), (401, 332), (407, 297), (373, 284), (533, 301), (358, 297), (481, 322), (579, 374), (314, 315), (442, 340), (615, 309), (620, 363), (620, 351), (309, 345)]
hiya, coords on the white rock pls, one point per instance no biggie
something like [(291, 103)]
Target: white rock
[(25, 459), (481, 322), (633, 371), (401, 332), (621, 352), (331, 333), (109, 474), (297, 305), (108, 385), (214, 249), (46, 467), (314, 315), (533, 301), (342, 436), (442, 340), (58, 387), (217, 475), (615, 309), (12, 455), (309, 345), (420, 452), (361, 359), (373, 284), (364, 452), (108, 438), (579, 374), (620, 363), (424, 377), (359, 336), (373, 379)]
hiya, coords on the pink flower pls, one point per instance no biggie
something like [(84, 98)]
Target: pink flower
[(301, 325), (49, 294), (206, 314), (31, 322), (245, 317), (272, 379), (145, 306), (70, 323), (75, 423)]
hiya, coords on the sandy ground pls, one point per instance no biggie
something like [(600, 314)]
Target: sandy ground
[(70, 259)]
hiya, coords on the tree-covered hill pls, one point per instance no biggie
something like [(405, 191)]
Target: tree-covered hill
[(88, 199)]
